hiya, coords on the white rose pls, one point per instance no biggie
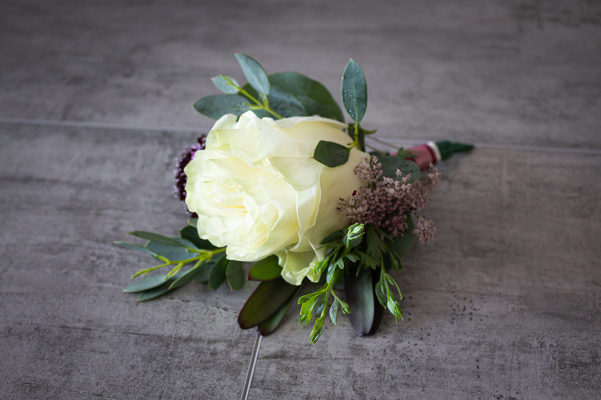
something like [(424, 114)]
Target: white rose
[(257, 189)]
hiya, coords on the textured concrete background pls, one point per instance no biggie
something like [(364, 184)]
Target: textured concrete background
[(95, 105)]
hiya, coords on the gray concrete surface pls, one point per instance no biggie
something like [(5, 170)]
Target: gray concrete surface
[(95, 104)]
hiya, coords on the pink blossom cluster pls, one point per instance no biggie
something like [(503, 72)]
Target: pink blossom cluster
[(386, 202)]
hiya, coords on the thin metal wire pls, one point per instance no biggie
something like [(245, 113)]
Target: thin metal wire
[(251, 367)]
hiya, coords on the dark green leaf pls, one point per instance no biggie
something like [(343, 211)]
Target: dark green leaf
[(254, 72), (333, 237), (401, 244), (268, 326), (221, 83), (265, 270), (159, 290), (359, 294), (171, 253), (234, 275), (390, 164), (205, 271), (334, 311), (267, 299), (218, 105), (193, 221), (217, 275), (315, 98), (354, 91), (331, 154), (187, 277), (190, 233), (154, 237), (138, 248), (148, 282), (406, 153)]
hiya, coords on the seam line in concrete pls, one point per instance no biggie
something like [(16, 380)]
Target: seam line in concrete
[(398, 142)]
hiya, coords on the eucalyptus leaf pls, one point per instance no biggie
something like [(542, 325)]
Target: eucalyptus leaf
[(265, 301), (254, 73), (265, 270), (218, 105), (222, 83), (234, 274), (146, 283), (354, 91), (217, 274), (390, 164), (331, 154), (137, 248), (155, 237)]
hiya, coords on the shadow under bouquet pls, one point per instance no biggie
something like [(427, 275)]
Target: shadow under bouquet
[(282, 182)]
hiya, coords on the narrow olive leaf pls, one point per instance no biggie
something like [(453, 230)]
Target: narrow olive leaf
[(190, 233), (354, 91), (360, 298), (217, 275), (390, 165), (267, 299), (146, 283), (266, 269), (131, 246), (218, 105), (159, 290), (222, 83), (169, 252), (186, 277), (234, 274), (331, 154), (254, 73), (155, 237), (268, 326), (205, 271)]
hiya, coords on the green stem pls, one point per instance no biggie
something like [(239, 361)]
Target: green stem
[(204, 255)]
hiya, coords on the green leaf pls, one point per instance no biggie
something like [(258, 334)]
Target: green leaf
[(171, 253), (359, 294), (333, 237), (379, 290), (354, 236), (146, 283), (316, 331), (137, 248), (334, 311), (234, 275), (354, 91), (205, 271), (390, 164), (254, 73), (190, 233), (155, 237), (406, 153), (217, 275), (222, 83), (187, 277), (266, 300), (193, 221), (265, 270), (403, 243), (218, 105), (331, 154), (315, 98), (159, 290), (268, 326)]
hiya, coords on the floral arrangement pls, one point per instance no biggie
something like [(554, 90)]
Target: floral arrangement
[(281, 181)]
